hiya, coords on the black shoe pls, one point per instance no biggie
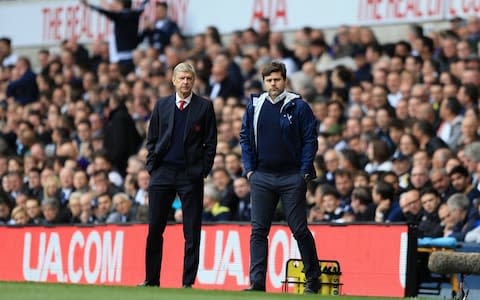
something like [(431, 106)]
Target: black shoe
[(186, 286), (148, 284), (312, 286), (255, 288)]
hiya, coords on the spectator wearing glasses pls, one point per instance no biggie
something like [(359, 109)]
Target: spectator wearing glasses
[(411, 206)]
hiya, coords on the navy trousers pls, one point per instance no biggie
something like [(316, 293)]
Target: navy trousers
[(165, 183), (266, 190)]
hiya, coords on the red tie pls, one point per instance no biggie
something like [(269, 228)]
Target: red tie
[(182, 105)]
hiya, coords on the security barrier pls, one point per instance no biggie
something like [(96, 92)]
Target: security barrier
[(375, 258)]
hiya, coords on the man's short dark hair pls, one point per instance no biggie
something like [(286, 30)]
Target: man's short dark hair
[(86, 122), (375, 47), (102, 153), (221, 170), (428, 42), (385, 190), (274, 67), (164, 4), (418, 59), (331, 192), (35, 170), (6, 40), (343, 173), (363, 195), (44, 51), (344, 73), (471, 90), (459, 170), (429, 190), (417, 30), (454, 105), (319, 43), (126, 3), (100, 173), (425, 127), (406, 45), (397, 124)]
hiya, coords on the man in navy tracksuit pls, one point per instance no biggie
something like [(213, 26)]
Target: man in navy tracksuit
[(279, 142), (126, 36)]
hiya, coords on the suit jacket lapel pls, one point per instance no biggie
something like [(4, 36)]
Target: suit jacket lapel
[(169, 113)]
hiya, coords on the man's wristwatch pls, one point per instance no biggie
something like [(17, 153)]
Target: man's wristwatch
[(306, 177)]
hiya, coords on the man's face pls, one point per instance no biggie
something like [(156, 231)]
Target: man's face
[(33, 209), (430, 202), (459, 182), (410, 203), (401, 166), (330, 203), (331, 161), (240, 187), (421, 159), (4, 211), (343, 184), (101, 184), (116, 5), (419, 177), (445, 215), (220, 180), (456, 215), (232, 164), (160, 12), (439, 181), (33, 179), (49, 212), (15, 182), (4, 49), (83, 132), (104, 205), (80, 180), (143, 180), (123, 206), (274, 84), (183, 82), (66, 178)]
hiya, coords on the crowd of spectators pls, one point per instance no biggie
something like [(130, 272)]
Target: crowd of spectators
[(398, 125)]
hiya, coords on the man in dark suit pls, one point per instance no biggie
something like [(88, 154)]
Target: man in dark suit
[(125, 36), (121, 138), (181, 144)]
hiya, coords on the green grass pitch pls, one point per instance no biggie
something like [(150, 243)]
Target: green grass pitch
[(44, 291)]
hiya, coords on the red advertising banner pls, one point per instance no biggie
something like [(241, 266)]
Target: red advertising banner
[(373, 258)]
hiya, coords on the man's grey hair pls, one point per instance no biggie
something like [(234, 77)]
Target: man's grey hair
[(211, 191), (122, 196), (184, 67), (51, 202), (472, 151), (458, 201), (442, 171)]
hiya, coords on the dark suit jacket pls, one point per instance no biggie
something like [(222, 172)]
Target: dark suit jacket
[(200, 139), (228, 88), (24, 89), (121, 138)]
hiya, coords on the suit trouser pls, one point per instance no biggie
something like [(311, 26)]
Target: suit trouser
[(165, 183), (266, 190)]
